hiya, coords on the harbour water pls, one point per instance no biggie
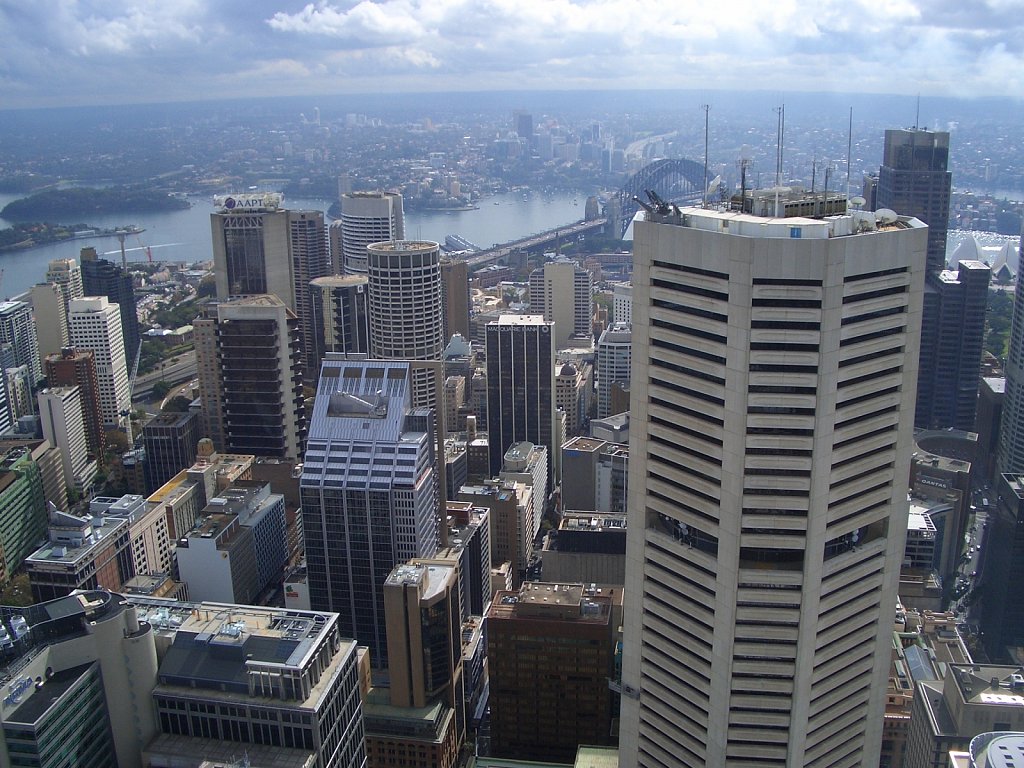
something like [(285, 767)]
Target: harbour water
[(184, 236)]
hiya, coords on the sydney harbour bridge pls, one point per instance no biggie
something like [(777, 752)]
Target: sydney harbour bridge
[(675, 181)]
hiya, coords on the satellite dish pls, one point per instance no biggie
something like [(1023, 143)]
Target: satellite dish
[(857, 202), (715, 184), (886, 216)]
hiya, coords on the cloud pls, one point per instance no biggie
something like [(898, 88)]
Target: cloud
[(56, 51)]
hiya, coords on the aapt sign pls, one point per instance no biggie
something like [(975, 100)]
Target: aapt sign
[(252, 203)]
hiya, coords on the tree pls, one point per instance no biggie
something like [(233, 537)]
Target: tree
[(178, 404), (160, 389)]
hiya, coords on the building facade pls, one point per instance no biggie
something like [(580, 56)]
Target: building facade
[(95, 325), (366, 218), (104, 278), (369, 487), (773, 382), (520, 385)]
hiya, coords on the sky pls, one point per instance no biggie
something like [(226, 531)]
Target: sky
[(69, 53)]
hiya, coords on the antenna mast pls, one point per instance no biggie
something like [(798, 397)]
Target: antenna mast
[(707, 109), (849, 151)]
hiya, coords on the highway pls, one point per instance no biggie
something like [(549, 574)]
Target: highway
[(173, 373), (498, 252)]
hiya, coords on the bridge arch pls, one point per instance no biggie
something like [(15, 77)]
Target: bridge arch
[(673, 180)]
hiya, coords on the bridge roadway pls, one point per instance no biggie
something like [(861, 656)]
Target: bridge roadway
[(533, 242)]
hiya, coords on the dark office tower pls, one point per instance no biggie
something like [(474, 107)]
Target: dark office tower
[(524, 126), (310, 260), (520, 385), (249, 357), (1010, 457), (341, 321), (952, 336), (405, 308), (914, 180), (369, 487), (455, 298), (170, 440), (366, 218), (1002, 600), (77, 368), (105, 278)]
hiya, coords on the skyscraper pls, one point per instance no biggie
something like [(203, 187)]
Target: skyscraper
[(406, 320), (260, 248), (368, 487), (68, 275), (249, 359), (915, 180), (520, 385), (613, 364), (774, 376), (1010, 455), (18, 329), (952, 339), (51, 314), (455, 298), (341, 321), (563, 292), (77, 368), (95, 325), (105, 278), (61, 412), (366, 218)]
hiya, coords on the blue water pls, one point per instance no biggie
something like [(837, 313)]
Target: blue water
[(184, 236)]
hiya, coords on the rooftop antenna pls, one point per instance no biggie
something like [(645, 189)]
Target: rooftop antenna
[(124, 259), (917, 114), (707, 109), (780, 138), (849, 151)]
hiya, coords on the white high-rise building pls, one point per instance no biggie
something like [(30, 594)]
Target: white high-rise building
[(406, 309), (60, 411), (622, 303), (775, 368), (366, 218), (95, 324), (612, 364), (51, 315), (563, 292), (68, 275)]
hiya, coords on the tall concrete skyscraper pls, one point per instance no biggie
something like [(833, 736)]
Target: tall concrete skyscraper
[(368, 487), (261, 248), (563, 292), (520, 386), (774, 377), (95, 325), (68, 275), (406, 318), (51, 314), (612, 365), (366, 218), (249, 356)]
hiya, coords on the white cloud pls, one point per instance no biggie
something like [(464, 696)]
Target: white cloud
[(939, 47)]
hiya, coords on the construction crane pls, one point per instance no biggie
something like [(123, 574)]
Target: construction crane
[(131, 388)]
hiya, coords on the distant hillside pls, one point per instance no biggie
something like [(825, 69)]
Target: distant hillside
[(56, 204)]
